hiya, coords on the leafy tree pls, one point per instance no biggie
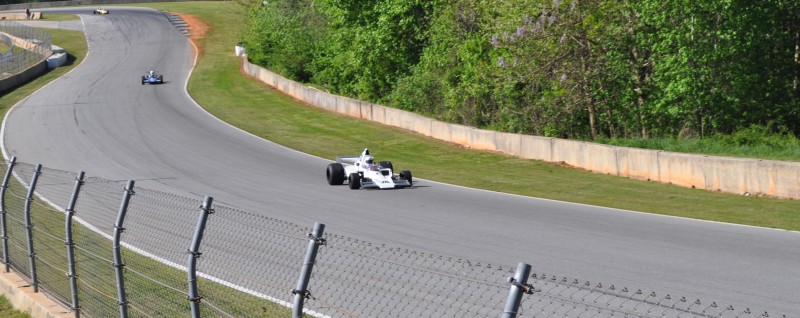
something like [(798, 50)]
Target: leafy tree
[(567, 68), (284, 35)]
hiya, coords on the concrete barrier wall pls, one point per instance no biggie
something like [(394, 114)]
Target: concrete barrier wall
[(5, 38), (734, 175), (24, 76), (600, 158), (27, 74), (536, 147), (682, 169), (638, 163)]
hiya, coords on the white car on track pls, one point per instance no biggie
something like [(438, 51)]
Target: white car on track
[(363, 171)]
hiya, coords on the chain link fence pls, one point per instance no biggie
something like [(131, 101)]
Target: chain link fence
[(248, 265), (24, 47)]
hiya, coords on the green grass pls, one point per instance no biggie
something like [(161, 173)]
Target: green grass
[(58, 17), (749, 143), (8, 311)]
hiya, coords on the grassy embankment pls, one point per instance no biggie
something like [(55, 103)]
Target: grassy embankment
[(7, 311)]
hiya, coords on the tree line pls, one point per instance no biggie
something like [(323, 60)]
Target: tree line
[(561, 68)]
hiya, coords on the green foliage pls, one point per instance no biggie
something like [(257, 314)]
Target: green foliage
[(754, 141), (350, 47), (291, 50), (565, 68)]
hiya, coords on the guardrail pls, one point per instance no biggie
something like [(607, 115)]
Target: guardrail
[(138, 252), (732, 175)]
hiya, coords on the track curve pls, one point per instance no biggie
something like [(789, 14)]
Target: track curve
[(100, 119)]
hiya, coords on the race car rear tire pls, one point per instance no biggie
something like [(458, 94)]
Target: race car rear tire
[(406, 175), (386, 164), (335, 174), (354, 181), (143, 80)]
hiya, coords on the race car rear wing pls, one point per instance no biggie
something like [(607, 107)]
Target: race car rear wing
[(347, 160)]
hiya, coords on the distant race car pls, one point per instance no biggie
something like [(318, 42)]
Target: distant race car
[(100, 11), (363, 171), (152, 78)]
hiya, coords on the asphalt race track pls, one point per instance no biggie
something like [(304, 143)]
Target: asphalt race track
[(100, 119)]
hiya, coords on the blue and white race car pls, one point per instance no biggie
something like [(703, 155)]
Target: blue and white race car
[(363, 171), (152, 78)]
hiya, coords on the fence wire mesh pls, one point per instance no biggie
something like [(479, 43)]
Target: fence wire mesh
[(249, 265), (564, 297), (230, 239), (353, 278), (15, 199), (27, 47), (158, 226)]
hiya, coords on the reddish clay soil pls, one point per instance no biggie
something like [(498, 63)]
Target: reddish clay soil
[(197, 29)]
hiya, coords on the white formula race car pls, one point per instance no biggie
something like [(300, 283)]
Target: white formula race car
[(363, 171)]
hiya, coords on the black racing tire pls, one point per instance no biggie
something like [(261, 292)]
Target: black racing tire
[(161, 79), (335, 174), (143, 80), (406, 175), (386, 164), (354, 181)]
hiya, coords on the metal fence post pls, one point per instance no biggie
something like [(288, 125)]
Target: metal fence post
[(194, 254), (73, 277), (302, 292), (3, 212), (519, 285), (118, 266), (29, 226)]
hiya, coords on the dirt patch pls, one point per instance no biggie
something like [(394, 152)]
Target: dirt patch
[(197, 30)]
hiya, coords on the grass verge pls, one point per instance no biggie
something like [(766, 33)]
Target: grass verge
[(218, 84), (59, 17), (8, 311)]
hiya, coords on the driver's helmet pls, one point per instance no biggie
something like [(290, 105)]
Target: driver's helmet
[(369, 163), (152, 73)]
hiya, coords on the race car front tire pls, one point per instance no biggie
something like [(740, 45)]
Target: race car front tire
[(335, 174), (406, 175), (354, 181)]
